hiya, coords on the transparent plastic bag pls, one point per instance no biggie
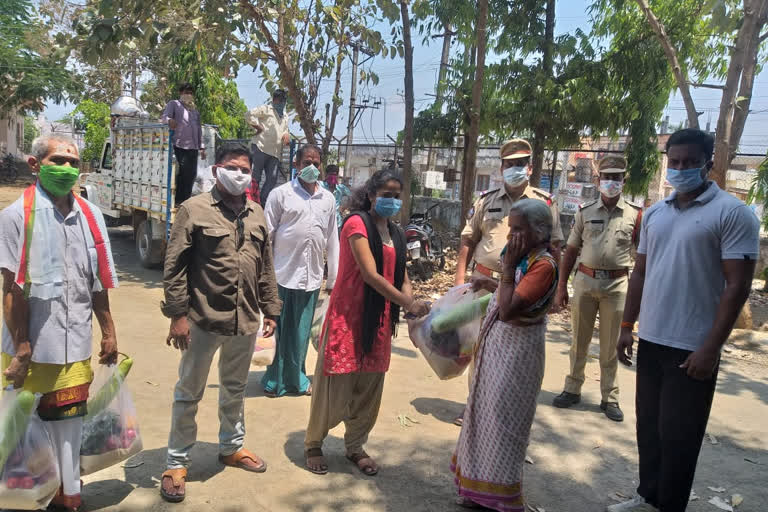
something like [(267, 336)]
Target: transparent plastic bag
[(111, 429), (318, 319), (448, 334), (264, 350), (29, 471)]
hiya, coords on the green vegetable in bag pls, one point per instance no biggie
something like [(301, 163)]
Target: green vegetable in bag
[(460, 315), (15, 424), (108, 391)]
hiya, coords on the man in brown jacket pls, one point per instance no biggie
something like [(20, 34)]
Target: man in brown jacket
[(218, 276)]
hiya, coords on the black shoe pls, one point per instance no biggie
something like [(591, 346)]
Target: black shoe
[(566, 399), (612, 410)]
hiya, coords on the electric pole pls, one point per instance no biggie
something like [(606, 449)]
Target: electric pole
[(352, 94)]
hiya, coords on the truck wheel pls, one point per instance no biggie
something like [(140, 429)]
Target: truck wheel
[(149, 251)]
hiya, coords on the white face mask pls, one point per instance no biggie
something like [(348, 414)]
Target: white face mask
[(514, 176), (611, 188), (234, 182)]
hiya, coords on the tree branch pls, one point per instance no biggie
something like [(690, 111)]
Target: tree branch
[(762, 38), (674, 62), (707, 86)]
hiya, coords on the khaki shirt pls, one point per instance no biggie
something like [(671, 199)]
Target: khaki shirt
[(487, 227), (605, 237), (219, 274)]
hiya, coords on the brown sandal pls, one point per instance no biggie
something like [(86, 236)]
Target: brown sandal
[(369, 469), (179, 478), (236, 461), (315, 452)]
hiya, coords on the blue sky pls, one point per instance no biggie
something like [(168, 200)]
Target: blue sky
[(375, 125)]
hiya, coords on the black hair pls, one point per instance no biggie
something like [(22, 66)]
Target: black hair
[(359, 200), (230, 149), (307, 147), (332, 169), (699, 138), (278, 93), (186, 86)]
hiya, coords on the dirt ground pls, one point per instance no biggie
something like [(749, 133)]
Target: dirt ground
[(580, 458)]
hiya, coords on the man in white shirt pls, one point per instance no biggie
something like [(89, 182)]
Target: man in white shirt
[(301, 219), (271, 125)]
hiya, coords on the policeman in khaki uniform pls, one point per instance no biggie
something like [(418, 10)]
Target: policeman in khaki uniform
[(604, 232), (485, 233)]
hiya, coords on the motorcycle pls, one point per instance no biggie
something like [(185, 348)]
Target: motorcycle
[(425, 247)]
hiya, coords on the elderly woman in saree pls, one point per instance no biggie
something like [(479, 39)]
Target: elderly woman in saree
[(489, 458)]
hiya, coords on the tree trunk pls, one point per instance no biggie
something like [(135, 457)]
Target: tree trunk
[(331, 125), (409, 107), (288, 78), (541, 129), (470, 144), (741, 70), (671, 53)]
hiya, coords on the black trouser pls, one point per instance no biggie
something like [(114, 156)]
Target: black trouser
[(672, 412), (270, 165), (185, 176)]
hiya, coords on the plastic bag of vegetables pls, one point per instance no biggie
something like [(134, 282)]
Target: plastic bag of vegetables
[(447, 335), (29, 472), (110, 430)]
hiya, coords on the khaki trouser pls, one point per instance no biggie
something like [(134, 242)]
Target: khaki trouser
[(590, 296), (354, 398)]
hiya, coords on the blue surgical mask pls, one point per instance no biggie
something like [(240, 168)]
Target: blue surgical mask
[(387, 206), (686, 180), (309, 174), (515, 176)]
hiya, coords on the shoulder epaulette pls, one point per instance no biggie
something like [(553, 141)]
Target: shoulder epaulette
[(633, 205), (587, 205), (489, 192)]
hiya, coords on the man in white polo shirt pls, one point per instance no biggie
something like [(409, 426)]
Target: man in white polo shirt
[(693, 274)]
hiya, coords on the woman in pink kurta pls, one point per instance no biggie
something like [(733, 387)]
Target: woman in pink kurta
[(364, 308)]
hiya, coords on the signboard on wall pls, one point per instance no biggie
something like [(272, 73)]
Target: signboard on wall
[(571, 205), (434, 180), (574, 189)]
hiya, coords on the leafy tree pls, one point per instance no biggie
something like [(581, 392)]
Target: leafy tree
[(721, 40), (93, 118), (32, 67), (294, 44), (758, 191), (30, 132)]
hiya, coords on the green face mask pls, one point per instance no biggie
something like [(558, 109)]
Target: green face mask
[(58, 179)]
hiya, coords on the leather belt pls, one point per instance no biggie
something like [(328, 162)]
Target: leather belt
[(487, 272), (596, 273)]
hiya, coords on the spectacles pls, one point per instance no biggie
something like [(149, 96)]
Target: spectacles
[(240, 232), (244, 170)]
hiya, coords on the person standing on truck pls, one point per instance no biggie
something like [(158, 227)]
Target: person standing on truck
[(301, 216), (271, 124), (183, 118), (604, 232), (57, 267), (218, 279), (485, 234)]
